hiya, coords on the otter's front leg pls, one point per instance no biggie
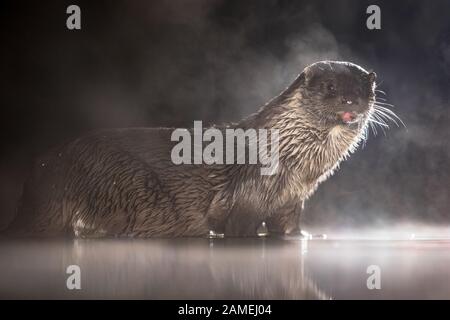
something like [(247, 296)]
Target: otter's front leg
[(286, 221)]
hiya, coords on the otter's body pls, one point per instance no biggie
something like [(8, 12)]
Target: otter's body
[(123, 182)]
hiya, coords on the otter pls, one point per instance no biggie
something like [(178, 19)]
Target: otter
[(122, 182)]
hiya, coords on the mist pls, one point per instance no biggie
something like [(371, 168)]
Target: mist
[(168, 63)]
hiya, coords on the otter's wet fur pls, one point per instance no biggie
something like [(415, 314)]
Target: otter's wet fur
[(122, 182)]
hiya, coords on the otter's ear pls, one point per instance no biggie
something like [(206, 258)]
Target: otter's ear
[(307, 75), (372, 76)]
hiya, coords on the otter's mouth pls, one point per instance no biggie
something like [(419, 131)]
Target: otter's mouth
[(348, 117)]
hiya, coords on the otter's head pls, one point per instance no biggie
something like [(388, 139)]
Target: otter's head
[(337, 93)]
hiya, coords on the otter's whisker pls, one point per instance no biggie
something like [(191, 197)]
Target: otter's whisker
[(374, 129), (382, 114), (383, 108), (379, 120), (379, 83), (365, 134), (390, 112), (381, 123), (384, 103), (374, 117), (387, 118), (372, 126)]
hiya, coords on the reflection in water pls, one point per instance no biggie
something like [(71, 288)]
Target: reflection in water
[(158, 269), (224, 269)]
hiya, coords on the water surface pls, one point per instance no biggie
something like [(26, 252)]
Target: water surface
[(225, 269)]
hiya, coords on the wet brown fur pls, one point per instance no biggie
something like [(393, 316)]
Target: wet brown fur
[(122, 182)]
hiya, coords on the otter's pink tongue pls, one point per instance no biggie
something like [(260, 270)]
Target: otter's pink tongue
[(348, 116)]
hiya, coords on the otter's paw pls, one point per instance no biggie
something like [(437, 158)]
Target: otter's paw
[(214, 235), (294, 234)]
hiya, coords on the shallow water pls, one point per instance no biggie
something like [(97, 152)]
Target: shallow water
[(225, 269)]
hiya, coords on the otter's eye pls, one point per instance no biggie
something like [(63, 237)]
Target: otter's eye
[(331, 88)]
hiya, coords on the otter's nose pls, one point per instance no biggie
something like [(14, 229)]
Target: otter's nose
[(347, 101)]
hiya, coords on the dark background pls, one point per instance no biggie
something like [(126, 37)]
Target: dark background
[(168, 63)]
